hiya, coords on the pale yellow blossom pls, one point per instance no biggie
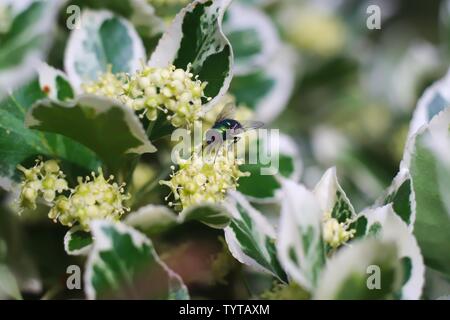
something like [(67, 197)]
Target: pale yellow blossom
[(93, 198), (43, 180), (334, 233), (174, 92), (201, 179)]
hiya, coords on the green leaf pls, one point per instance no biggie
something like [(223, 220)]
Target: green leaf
[(250, 237), (25, 40), (19, 144), (124, 264), (254, 39), (103, 40), (195, 37), (105, 126), (8, 284), (262, 185), (300, 245), (54, 83), (77, 242), (348, 272), (267, 90), (430, 174), (332, 198), (383, 223), (214, 216), (152, 219)]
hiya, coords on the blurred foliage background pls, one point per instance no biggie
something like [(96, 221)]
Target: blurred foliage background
[(355, 92)]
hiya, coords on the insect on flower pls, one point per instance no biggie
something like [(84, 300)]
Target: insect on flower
[(227, 129)]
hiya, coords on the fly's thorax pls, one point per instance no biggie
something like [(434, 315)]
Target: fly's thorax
[(225, 126)]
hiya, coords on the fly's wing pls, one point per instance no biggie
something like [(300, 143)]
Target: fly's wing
[(246, 126), (251, 125), (228, 112)]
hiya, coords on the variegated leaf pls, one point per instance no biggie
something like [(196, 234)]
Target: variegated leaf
[(332, 199), (266, 90), (250, 237), (25, 35), (19, 144), (278, 154), (300, 246), (124, 264), (383, 223), (105, 126), (367, 270), (103, 40), (254, 39), (54, 83), (195, 38)]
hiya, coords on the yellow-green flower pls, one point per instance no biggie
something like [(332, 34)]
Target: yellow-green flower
[(173, 91), (43, 180), (334, 233), (96, 198), (200, 179)]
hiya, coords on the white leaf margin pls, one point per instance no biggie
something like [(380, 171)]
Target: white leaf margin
[(223, 212), (94, 19), (47, 78), (325, 191), (79, 252), (420, 116), (150, 215), (402, 176)]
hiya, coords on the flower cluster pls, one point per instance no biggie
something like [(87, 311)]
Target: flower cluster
[(170, 90), (93, 198), (334, 233), (43, 180), (200, 179)]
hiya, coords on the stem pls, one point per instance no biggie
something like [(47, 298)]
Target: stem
[(149, 186)]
